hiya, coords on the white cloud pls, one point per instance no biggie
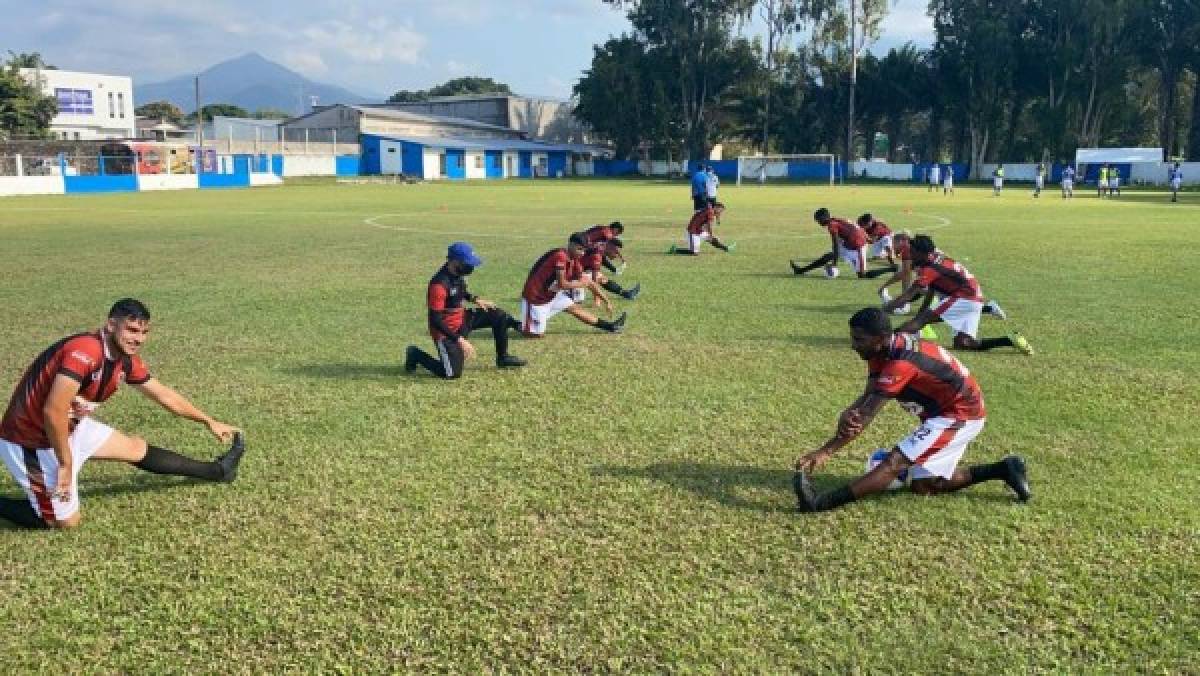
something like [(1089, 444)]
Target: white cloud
[(308, 62), (376, 41)]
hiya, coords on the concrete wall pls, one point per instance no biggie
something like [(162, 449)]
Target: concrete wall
[(164, 182), (311, 165), (476, 164), (432, 164), (31, 185), (1156, 174)]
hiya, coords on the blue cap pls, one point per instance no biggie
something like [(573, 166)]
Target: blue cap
[(461, 251)]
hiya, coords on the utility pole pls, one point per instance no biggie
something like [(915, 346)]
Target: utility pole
[(853, 85), (199, 130)]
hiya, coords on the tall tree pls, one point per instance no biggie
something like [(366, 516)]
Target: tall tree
[(460, 86), (1167, 32), (160, 110), (24, 110), (694, 41)]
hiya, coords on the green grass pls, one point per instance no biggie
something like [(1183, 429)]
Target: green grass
[(624, 502)]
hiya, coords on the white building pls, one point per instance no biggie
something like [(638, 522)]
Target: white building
[(90, 106)]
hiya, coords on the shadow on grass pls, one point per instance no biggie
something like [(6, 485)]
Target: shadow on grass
[(723, 483), (138, 483)]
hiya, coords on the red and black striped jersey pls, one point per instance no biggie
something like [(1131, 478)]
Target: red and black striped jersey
[(700, 220), (944, 275), (599, 233), (926, 380), (849, 234), (876, 229), (542, 283), (83, 357)]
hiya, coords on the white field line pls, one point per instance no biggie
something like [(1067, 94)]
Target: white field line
[(373, 221)]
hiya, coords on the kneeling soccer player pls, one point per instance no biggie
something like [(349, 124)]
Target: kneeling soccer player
[(450, 323), (550, 289), (48, 431), (960, 302), (929, 382), (699, 230), (607, 233), (848, 241)]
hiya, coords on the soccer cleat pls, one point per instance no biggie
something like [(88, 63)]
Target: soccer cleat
[(887, 297), (230, 459), (618, 324), (731, 247), (1016, 477), (928, 333), (632, 292), (1022, 344), (903, 309), (410, 359), (795, 268), (806, 496), (509, 361)]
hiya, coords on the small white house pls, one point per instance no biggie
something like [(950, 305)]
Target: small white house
[(90, 105)]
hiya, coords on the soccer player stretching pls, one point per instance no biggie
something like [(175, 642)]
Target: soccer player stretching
[(48, 431), (847, 241), (928, 382), (960, 302), (550, 288)]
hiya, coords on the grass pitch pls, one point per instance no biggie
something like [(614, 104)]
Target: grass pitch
[(623, 503)]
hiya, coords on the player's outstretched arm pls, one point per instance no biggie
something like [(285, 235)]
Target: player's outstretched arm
[(904, 298), (179, 405), (851, 423)]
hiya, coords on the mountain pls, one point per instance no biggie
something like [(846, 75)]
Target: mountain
[(250, 81)]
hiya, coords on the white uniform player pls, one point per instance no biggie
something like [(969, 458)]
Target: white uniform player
[(1068, 182), (935, 176), (948, 180)]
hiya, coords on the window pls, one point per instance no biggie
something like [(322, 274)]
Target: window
[(479, 161), (112, 111), (76, 136), (74, 101), (121, 104)]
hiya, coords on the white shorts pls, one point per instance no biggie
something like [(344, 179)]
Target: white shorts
[(961, 314), (1114, 183), (36, 470), (1175, 184), (1039, 182), (534, 318), (936, 446), (1068, 185), (694, 241), (948, 183), (880, 246), (1103, 183), (857, 258), (997, 183)]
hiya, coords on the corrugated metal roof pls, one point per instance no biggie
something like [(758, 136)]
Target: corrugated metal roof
[(492, 144), (436, 119)]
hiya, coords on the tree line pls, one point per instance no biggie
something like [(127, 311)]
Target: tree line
[(1004, 80)]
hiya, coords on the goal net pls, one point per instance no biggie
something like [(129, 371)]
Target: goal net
[(812, 167)]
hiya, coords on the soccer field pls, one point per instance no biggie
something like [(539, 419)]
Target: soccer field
[(624, 502)]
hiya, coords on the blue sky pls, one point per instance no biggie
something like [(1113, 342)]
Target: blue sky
[(374, 47)]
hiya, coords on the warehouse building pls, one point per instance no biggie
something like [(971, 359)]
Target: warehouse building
[(540, 119)]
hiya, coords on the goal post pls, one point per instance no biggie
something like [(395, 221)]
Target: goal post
[(796, 167)]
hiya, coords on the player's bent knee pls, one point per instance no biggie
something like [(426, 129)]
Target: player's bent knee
[(73, 521)]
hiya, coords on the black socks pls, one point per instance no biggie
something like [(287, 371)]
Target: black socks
[(612, 286), (823, 260), (163, 461), (989, 472), (20, 512), (990, 343)]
